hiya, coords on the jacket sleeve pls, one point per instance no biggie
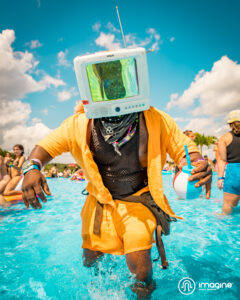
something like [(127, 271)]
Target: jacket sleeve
[(176, 139), (59, 140)]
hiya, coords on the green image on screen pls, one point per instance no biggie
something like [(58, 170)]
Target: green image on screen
[(113, 80)]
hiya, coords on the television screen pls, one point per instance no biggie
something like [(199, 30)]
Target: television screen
[(113, 83), (113, 79)]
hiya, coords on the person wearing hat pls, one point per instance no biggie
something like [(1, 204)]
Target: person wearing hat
[(229, 162)]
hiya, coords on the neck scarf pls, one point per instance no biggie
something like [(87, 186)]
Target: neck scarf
[(118, 131)]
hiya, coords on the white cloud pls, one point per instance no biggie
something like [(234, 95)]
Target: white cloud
[(15, 69), (107, 41), (204, 125), (13, 113), (217, 91), (62, 61), (111, 41), (36, 121), (16, 81), (112, 28), (28, 136), (65, 95), (96, 27), (154, 38), (47, 81), (65, 158), (35, 44), (208, 126), (131, 39), (181, 119), (173, 101), (13, 125)]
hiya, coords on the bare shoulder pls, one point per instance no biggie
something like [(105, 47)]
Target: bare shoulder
[(226, 139)]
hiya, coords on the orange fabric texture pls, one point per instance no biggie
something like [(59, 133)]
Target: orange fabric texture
[(164, 137), (125, 228)]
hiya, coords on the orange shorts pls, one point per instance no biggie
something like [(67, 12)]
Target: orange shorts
[(124, 229)]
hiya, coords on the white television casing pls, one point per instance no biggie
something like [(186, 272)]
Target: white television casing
[(113, 107)]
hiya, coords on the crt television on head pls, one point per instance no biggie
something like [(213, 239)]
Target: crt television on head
[(113, 83)]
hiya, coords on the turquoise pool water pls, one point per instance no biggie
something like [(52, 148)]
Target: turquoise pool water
[(41, 255)]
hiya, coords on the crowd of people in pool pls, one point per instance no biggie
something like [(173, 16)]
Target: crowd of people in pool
[(11, 175), (112, 197), (75, 174)]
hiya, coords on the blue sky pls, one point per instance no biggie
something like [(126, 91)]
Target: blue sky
[(194, 71)]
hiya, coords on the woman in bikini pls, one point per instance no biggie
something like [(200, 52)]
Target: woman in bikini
[(4, 179), (15, 171)]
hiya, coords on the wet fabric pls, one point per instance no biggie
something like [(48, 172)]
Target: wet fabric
[(232, 179), (124, 229)]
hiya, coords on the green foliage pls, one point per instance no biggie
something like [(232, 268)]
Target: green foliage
[(210, 140), (201, 140), (60, 167), (3, 153)]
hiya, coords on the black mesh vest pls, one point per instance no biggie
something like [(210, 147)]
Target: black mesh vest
[(122, 175)]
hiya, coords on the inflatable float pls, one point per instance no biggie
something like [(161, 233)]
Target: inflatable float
[(78, 178), (18, 197), (14, 198)]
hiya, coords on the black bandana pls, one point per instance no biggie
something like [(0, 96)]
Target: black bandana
[(114, 128)]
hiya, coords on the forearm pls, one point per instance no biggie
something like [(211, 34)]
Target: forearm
[(41, 154), (221, 167), (222, 157)]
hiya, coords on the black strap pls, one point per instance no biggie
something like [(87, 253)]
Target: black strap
[(162, 220), (160, 247), (98, 218), (85, 192)]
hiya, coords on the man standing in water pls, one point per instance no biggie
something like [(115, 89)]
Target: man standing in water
[(122, 158), (229, 159)]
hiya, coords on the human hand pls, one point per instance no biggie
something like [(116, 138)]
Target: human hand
[(203, 173), (220, 184), (33, 188)]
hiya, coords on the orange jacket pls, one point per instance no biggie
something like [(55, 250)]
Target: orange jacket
[(164, 137)]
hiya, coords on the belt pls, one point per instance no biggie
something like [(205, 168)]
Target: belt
[(161, 217)]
